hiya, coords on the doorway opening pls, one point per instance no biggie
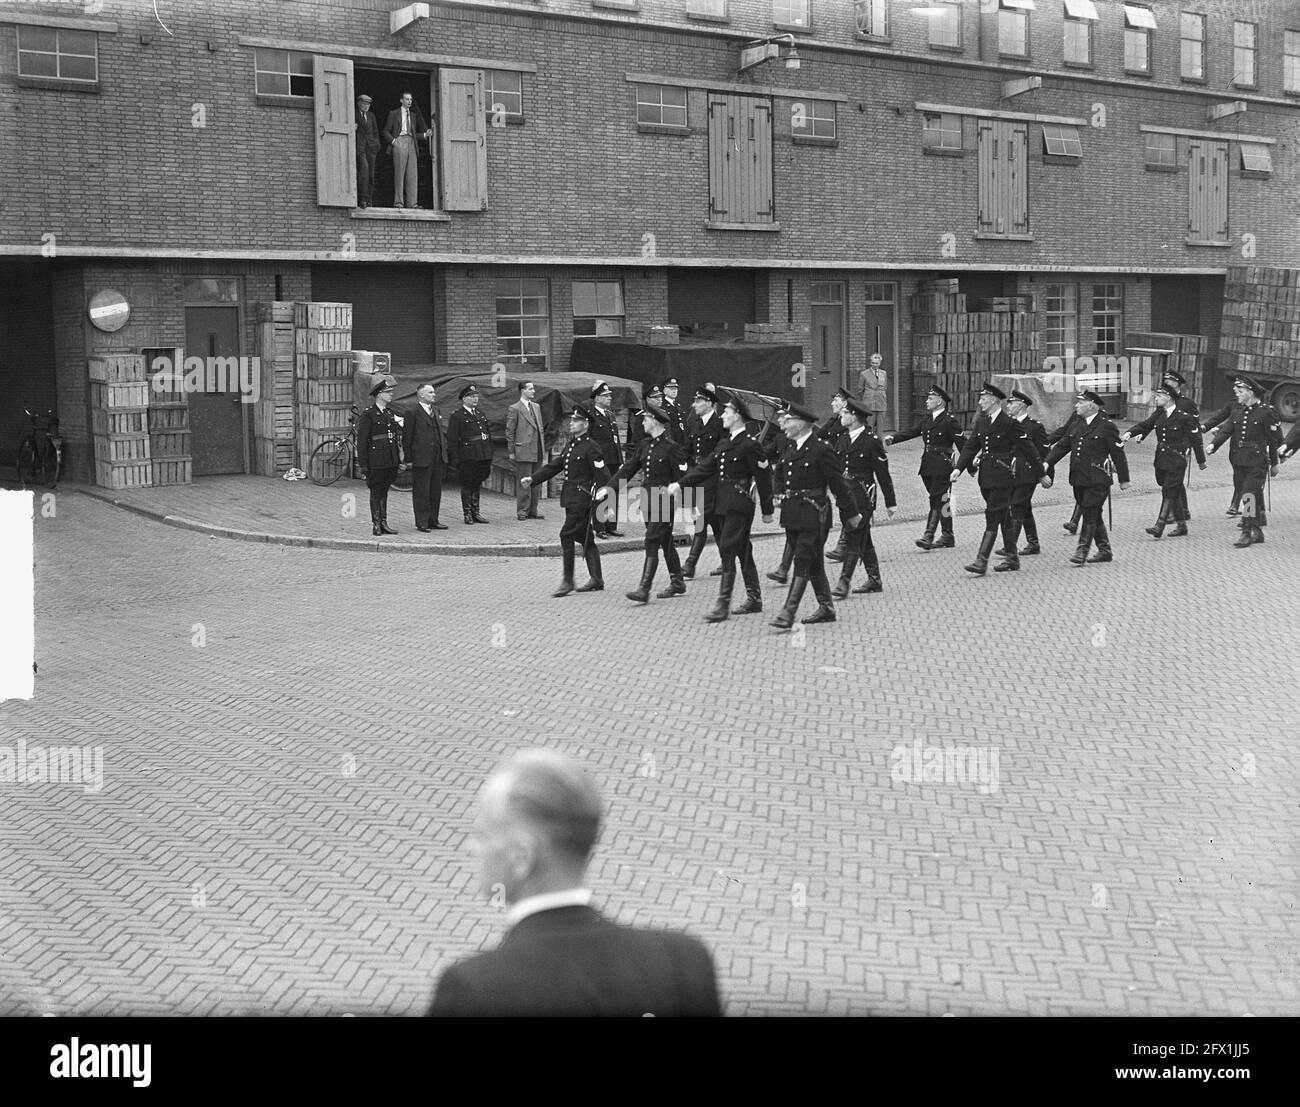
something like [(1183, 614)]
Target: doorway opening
[(385, 88)]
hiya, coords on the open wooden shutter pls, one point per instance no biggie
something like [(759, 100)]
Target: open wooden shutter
[(1017, 178), (464, 139), (1207, 182), (740, 160), (721, 137), (1003, 178), (758, 169), (336, 133), (988, 177)]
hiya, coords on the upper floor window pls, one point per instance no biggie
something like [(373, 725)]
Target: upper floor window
[(1139, 22), (1013, 28), (1191, 33), (1291, 61), (282, 73), (945, 25), (503, 93), (1062, 141), (713, 9), (1245, 45), (59, 53), (872, 17), (792, 13), (661, 105), (1077, 49), (812, 119)]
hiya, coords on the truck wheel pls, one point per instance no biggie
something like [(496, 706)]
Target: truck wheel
[(1286, 398)]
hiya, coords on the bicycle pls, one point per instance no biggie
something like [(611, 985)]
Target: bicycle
[(40, 454), (335, 456)]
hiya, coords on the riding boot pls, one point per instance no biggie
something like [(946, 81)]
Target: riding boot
[(376, 516), (1030, 524), (753, 588), (1103, 544), (980, 565), (782, 573), (1258, 528), (841, 591), (676, 587), (383, 523), (926, 541), (945, 541), (1162, 520), (648, 569), (595, 578), (478, 515), (825, 612), (1073, 525), (566, 584), (1247, 536), (841, 547), (722, 608), (697, 548), (785, 619), (1010, 536), (872, 564), (1086, 534), (467, 505)]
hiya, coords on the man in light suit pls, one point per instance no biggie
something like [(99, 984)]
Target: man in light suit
[(425, 448), (525, 439), (403, 130), (538, 820)]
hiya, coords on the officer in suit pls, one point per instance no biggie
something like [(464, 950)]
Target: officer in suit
[(469, 448), (677, 426), (940, 435), (738, 464), (1256, 432), (379, 450), (812, 471), (604, 432), (539, 817), (1176, 432), (425, 447), (662, 461), (1004, 446), (1091, 440), (526, 442), (778, 456), (832, 433), (865, 466), (367, 151), (1022, 494), (584, 469), (703, 433)]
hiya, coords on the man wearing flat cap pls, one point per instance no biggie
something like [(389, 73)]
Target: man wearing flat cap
[(584, 469), (1005, 447), (703, 433), (379, 452), (469, 449), (1255, 430), (604, 432), (1091, 442), (1176, 432), (1022, 493), (367, 151), (941, 435)]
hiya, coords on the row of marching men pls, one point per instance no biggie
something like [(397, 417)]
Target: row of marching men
[(1010, 452)]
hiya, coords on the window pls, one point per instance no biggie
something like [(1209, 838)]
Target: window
[(282, 73), (1061, 141), (59, 53), (210, 290), (1013, 28), (872, 17), (523, 318), (1107, 317), (598, 308), (710, 9), (1077, 49), (940, 132), (503, 93), (661, 105), (1256, 159), (1138, 25), (1192, 47), (1291, 61), (792, 13), (945, 26), (1161, 151), (1061, 320), (812, 119), (1245, 41)]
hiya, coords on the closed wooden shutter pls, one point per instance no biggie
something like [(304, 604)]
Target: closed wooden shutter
[(336, 138), (1003, 178), (1207, 182), (740, 160), (464, 139)]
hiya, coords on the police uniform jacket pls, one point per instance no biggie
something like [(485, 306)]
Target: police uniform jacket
[(940, 435), (661, 460), (1008, 451), (1089, 445), (1188, 406), (701, 440), (1212, 419), (1176, 433), (812, 470), (832, 432), (604, 432), (379, 438), (737, 464), (1038, 435), (468, 438), (1255, 432), (584, 469), (676, 420), (865, 465)]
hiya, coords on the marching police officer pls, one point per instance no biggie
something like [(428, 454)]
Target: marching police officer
[(604, 432), (636, 419), (1022, 494), (469, 448), (940, 435), (1091, 439), (703, 433), (1176, 432), (379, 450), (832, 433), (865, 466), (1255, 430), (778, 455), (584, 468)]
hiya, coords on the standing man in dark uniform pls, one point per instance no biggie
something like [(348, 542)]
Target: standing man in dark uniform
[(1022, 494), (676, 416), (1176, 433), (1256, 431), (1005, 446), (662, 461), (1209, 421), (703, 433), (778, 456), (1177, 385), (425, 447), (604, 432), (832, 433), (636, 420), (865, 466), (469, 448), (940, 434), (813, 469), (738, 464), (1091, 440), (379, 450), (367, 151), (584, 469)]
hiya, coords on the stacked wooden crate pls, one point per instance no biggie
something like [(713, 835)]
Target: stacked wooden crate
[(323, 388), (274, 448), (1260, 329), (170, 440), (119, 398), (1151, 355)]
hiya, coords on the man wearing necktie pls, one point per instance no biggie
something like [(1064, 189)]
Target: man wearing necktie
[(405, 124), (367, 151), (525, 441)]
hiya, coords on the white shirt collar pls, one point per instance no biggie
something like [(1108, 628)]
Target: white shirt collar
[(706, 417), (428, 408), (1087, 419), (798, 442), (936, 414), (853, 434), (548, 901), (738, 432)]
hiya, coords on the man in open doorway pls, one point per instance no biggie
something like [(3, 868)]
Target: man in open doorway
[(406, 124)]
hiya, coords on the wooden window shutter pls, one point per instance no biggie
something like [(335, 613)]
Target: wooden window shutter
[(336, 133), (464, 139)]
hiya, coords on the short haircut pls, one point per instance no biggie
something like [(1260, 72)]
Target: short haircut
[(524, 384), (556, 797), (428, 384)]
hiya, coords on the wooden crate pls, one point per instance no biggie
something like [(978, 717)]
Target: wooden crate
[(117, 367), (121, 447), (330, 417), (168, 417), (274, 311), (123, 474), (336, 390), (274, 420), (323, 366), (125, 421), (316, 341), (169, 444), (275, 340), (271, 458), (322, 315), (110, 395), (171, 470)]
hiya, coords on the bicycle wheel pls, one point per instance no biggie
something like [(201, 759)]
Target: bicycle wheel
[(53, 465), (404, 481), (27, 463), (329, 461)]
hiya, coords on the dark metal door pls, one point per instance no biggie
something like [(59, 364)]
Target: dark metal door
[(217, 418)]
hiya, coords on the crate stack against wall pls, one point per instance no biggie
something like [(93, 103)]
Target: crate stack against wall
[(959, 346), (274, 448), (170, 451), (1151, 355), (1261, 322), (323, 373), (119, 420)]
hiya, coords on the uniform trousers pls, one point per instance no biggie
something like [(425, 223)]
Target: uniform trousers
[(938, 489), (1248, 490), (379, 481)]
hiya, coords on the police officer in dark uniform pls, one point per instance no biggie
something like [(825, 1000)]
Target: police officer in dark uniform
[(1186, 404), (1022, 494), (663, 461), (738, 465), (940, 435), (813, 470), (677, 417), (469, 448), (604, 432), (1209, 421), (1064, 431), (1256, 431), (778, 456), (584, 469), (703, 433), (1176, 433), (1092, 438), (379, 450), (865, 466), (636, 420), (832, 433), (1005, 447)]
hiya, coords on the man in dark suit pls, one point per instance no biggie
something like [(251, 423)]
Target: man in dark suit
[(940, 434), (425, 449), (403, 130), (469, 448), (604, 432), (538, 821), (367, 151), (1022, 494), (1092, 438)]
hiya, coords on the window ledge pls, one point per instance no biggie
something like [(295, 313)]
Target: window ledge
[(275, 100), (509, 121), (1245, 88), (814, 140), (59, 84), (1154, 167), (1194, 80), (1256, 174), (942, 152), (941, 48), (1062, 159), (1018, 59), (793, 28), (1139, 73), (742, 226), (707, 17), (619, 5), (1079, 65), (408, 215), (875, 40), (1207, 242), (662, 129), (1004, 237)]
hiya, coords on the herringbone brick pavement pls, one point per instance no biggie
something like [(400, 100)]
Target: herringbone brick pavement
[(293, 738)]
